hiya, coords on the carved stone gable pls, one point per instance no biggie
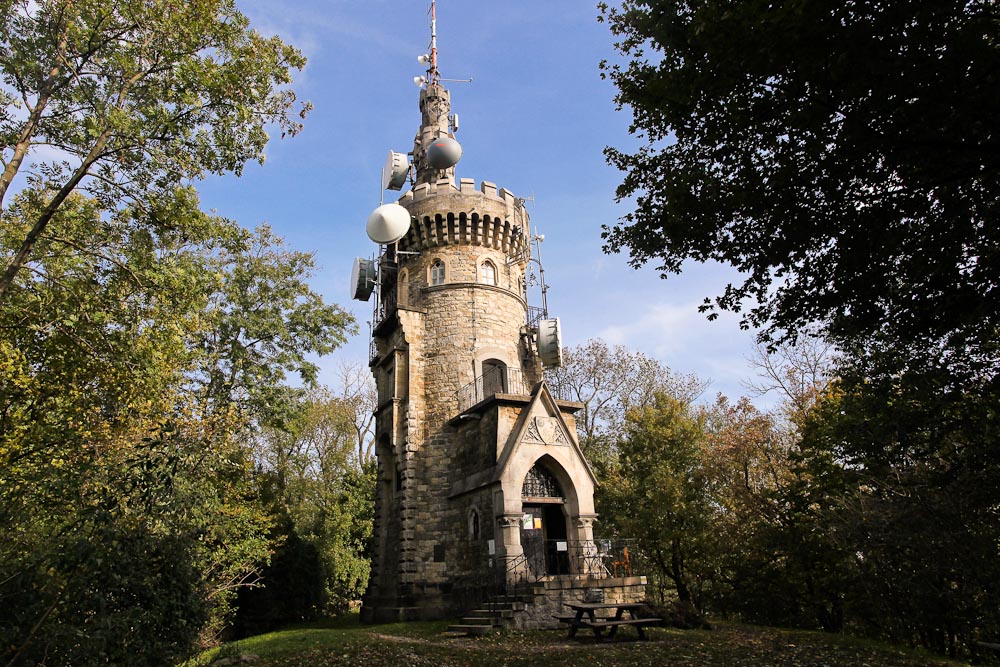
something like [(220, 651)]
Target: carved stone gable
[(545, 430)]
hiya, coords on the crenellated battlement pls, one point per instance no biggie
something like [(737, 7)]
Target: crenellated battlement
[(446, 214), (466, 186)]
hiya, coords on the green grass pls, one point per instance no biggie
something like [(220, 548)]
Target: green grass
[(345, 642)]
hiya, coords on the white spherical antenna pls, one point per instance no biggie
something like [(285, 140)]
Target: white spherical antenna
[(444, 153), (362, 279), (550, 343), (388, 223)]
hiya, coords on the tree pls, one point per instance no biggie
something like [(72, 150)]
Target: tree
[(130, 519), (263, 322), (610, 381), (843, 157), (132, 97), (922, 515), (322, 494), (798, 374), (660, 494), (356, 391)]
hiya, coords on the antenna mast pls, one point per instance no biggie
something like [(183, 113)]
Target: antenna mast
[(432, 74)]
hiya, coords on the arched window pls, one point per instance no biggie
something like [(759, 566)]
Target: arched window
[(488, 273), (404, 288), (437, 272), (539, 483)]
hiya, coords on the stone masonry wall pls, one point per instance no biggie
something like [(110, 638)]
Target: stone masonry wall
[(570, 590), (444, 333)]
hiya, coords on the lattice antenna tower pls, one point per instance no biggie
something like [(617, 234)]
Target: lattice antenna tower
[(431, 59)]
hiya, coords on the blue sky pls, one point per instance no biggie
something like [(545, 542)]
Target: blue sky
[(534, 120)]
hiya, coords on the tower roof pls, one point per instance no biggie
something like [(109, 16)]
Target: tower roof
[(435, 127)]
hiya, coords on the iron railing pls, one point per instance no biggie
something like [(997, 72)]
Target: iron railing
[(493, 582), (597, 559), (497, 580), (494, 381), (535, 315), (600, 558)]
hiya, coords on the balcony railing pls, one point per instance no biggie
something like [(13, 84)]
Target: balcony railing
[(495, 381), (534, 316), (596, 559), (393, 294), (495, 576)]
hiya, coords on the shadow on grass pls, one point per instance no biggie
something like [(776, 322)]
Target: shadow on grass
[(344, 641)]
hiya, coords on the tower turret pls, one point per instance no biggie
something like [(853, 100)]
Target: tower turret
[(469, 439)]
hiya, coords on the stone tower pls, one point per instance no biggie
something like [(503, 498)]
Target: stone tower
[(480, 475)]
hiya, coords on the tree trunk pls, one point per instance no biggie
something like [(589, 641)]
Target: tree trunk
[(50, 210), (677, 572)]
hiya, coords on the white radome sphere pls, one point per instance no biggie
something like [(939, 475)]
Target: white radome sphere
[(444, 153), (388, 223)]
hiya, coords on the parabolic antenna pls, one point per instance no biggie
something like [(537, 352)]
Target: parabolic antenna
[(444, 153), (388, 223), (550, 343), (362, 279), (395, 171)]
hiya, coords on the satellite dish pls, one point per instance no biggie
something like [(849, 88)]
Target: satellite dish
[(550, 343), (388, 223), (444, 153), (395, 171), (362, 279)]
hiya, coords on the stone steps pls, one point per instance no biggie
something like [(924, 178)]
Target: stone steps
[(494, 615)]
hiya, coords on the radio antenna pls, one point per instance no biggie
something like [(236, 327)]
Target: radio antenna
[(433, 75)]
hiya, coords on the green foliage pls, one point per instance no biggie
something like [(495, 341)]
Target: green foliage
[(795, 566), (921, 514), (131, 521), (659, 494), (841, 156), (125, 596), (261, 322), (323, 499), (883, 521), (135, 97)]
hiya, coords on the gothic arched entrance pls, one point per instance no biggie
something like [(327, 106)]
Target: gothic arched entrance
[(543, 523)]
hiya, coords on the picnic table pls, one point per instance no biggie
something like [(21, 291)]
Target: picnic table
[(586, 617)]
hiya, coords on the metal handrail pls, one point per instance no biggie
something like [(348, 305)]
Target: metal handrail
[(498, 579), (534, 316), (495, 381), (392, 295)]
